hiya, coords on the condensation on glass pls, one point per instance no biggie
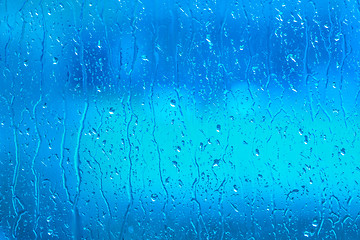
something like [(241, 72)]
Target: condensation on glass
[(179, 119)]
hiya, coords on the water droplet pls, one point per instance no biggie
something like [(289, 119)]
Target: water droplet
[(257, 152), (173, 103), (236, 188), (342, 151), (306, 141), (55, 60), (178, 149), (218, 128), (301, 131), (144, 58), (111, 110), (201, 146), (216, 162), (315, 223), (26, 63), (154, 197)]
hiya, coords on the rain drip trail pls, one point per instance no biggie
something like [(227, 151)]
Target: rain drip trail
[(160, 173), (103, 194), (130, 189), (306, 70), (77, 163), (195, 185), (36, 177), (77, 218), (159, 155), (16, 169), (14, 198), (62, 147), (176, 63), (345, 54), (329, 47), (155, 68), (248, 65)]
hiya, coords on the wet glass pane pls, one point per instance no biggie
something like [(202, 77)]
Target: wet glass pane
[(151, 119)]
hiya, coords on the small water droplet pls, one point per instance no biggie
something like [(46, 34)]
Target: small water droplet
[(236, 188), (315, 223), (111, 110), (55, 60), (257, 152), (173, 103), (306, 141), (216, 162), (154, 197), (342, 151), (178, 149), (144, 58), (218, 128), (26, 63), (201, 146)]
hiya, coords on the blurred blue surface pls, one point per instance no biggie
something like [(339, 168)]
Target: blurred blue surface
[(179, 119)]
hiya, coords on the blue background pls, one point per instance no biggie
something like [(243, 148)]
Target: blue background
[(179, 119)]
